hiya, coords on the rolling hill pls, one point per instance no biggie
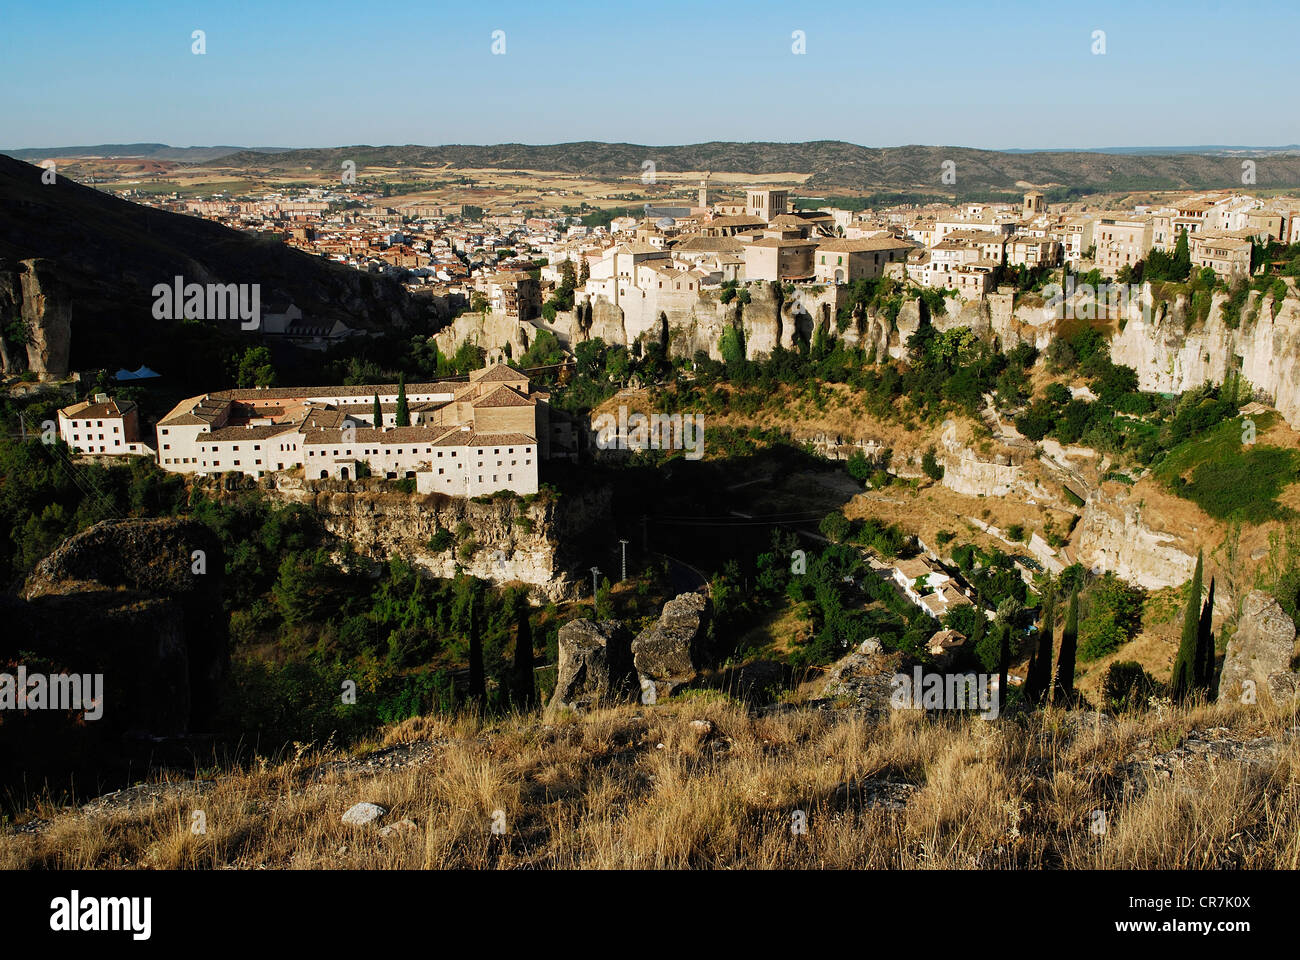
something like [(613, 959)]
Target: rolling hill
[(74, 257), (831, 164)]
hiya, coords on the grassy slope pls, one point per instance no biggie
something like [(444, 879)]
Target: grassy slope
[(646, 788)]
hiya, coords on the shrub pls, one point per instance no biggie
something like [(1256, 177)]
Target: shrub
[(835, 526), (1126, 686), (933, 469), (1113, 617)]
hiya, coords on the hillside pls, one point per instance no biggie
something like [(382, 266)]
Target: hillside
[(830, 164), (79, 265), (705, 783)]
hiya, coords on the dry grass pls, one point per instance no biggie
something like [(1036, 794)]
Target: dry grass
[(636, 787)]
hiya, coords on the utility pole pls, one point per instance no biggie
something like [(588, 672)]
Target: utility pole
[(624, 543)]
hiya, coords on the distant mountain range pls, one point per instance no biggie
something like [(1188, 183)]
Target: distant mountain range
[(1207, 149), (144, 151), (833, 165)]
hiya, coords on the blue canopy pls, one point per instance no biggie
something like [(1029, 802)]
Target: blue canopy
[(144, 373)]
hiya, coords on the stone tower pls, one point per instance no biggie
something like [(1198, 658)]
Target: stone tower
[(1034, 205)]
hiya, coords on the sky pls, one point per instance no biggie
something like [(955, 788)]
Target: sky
[(990, 74)]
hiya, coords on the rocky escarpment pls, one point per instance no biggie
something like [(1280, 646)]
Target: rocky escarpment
[(138, 602), (31, 292), (1114, 536), (539, 542), (1171, 356), (1259, 654)]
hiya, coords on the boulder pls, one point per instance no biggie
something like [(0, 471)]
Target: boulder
[(863, 678), (134, 608), (363, 814), (1261, 649), (595, 664), (669, 653)]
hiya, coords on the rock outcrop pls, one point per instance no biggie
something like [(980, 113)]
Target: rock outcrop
[(537, 543), (669, 653), (1260, 650), (138, 603), (863, 677), (31, 292), (1171, 356), (595, 665), (1113, 536)]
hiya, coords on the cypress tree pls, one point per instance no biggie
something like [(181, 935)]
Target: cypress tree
[(378, 415), (1064, 692), (1183, 682), (1004, 666), (1040, 665), (477, 683), (1205, 646), (525, 692), (403, 413)]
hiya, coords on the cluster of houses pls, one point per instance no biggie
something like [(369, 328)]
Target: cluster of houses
[(463, 439), (662, 261)]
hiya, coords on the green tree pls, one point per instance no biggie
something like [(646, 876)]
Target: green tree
[(1064, 692), (477, 681), (930, 464), (1182, 265), (255, 368), (732, 347), (1040, 664), (1205, 646), (403, 418), (1183, 682), (1004, 665), (378, 414), (604, 605), (524, 693)]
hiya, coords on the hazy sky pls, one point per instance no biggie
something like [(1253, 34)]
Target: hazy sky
[(986, 74)]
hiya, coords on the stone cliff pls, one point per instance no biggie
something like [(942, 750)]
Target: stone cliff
[(31, 293), (1114, 535), (538, 543), (1171, 356)]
